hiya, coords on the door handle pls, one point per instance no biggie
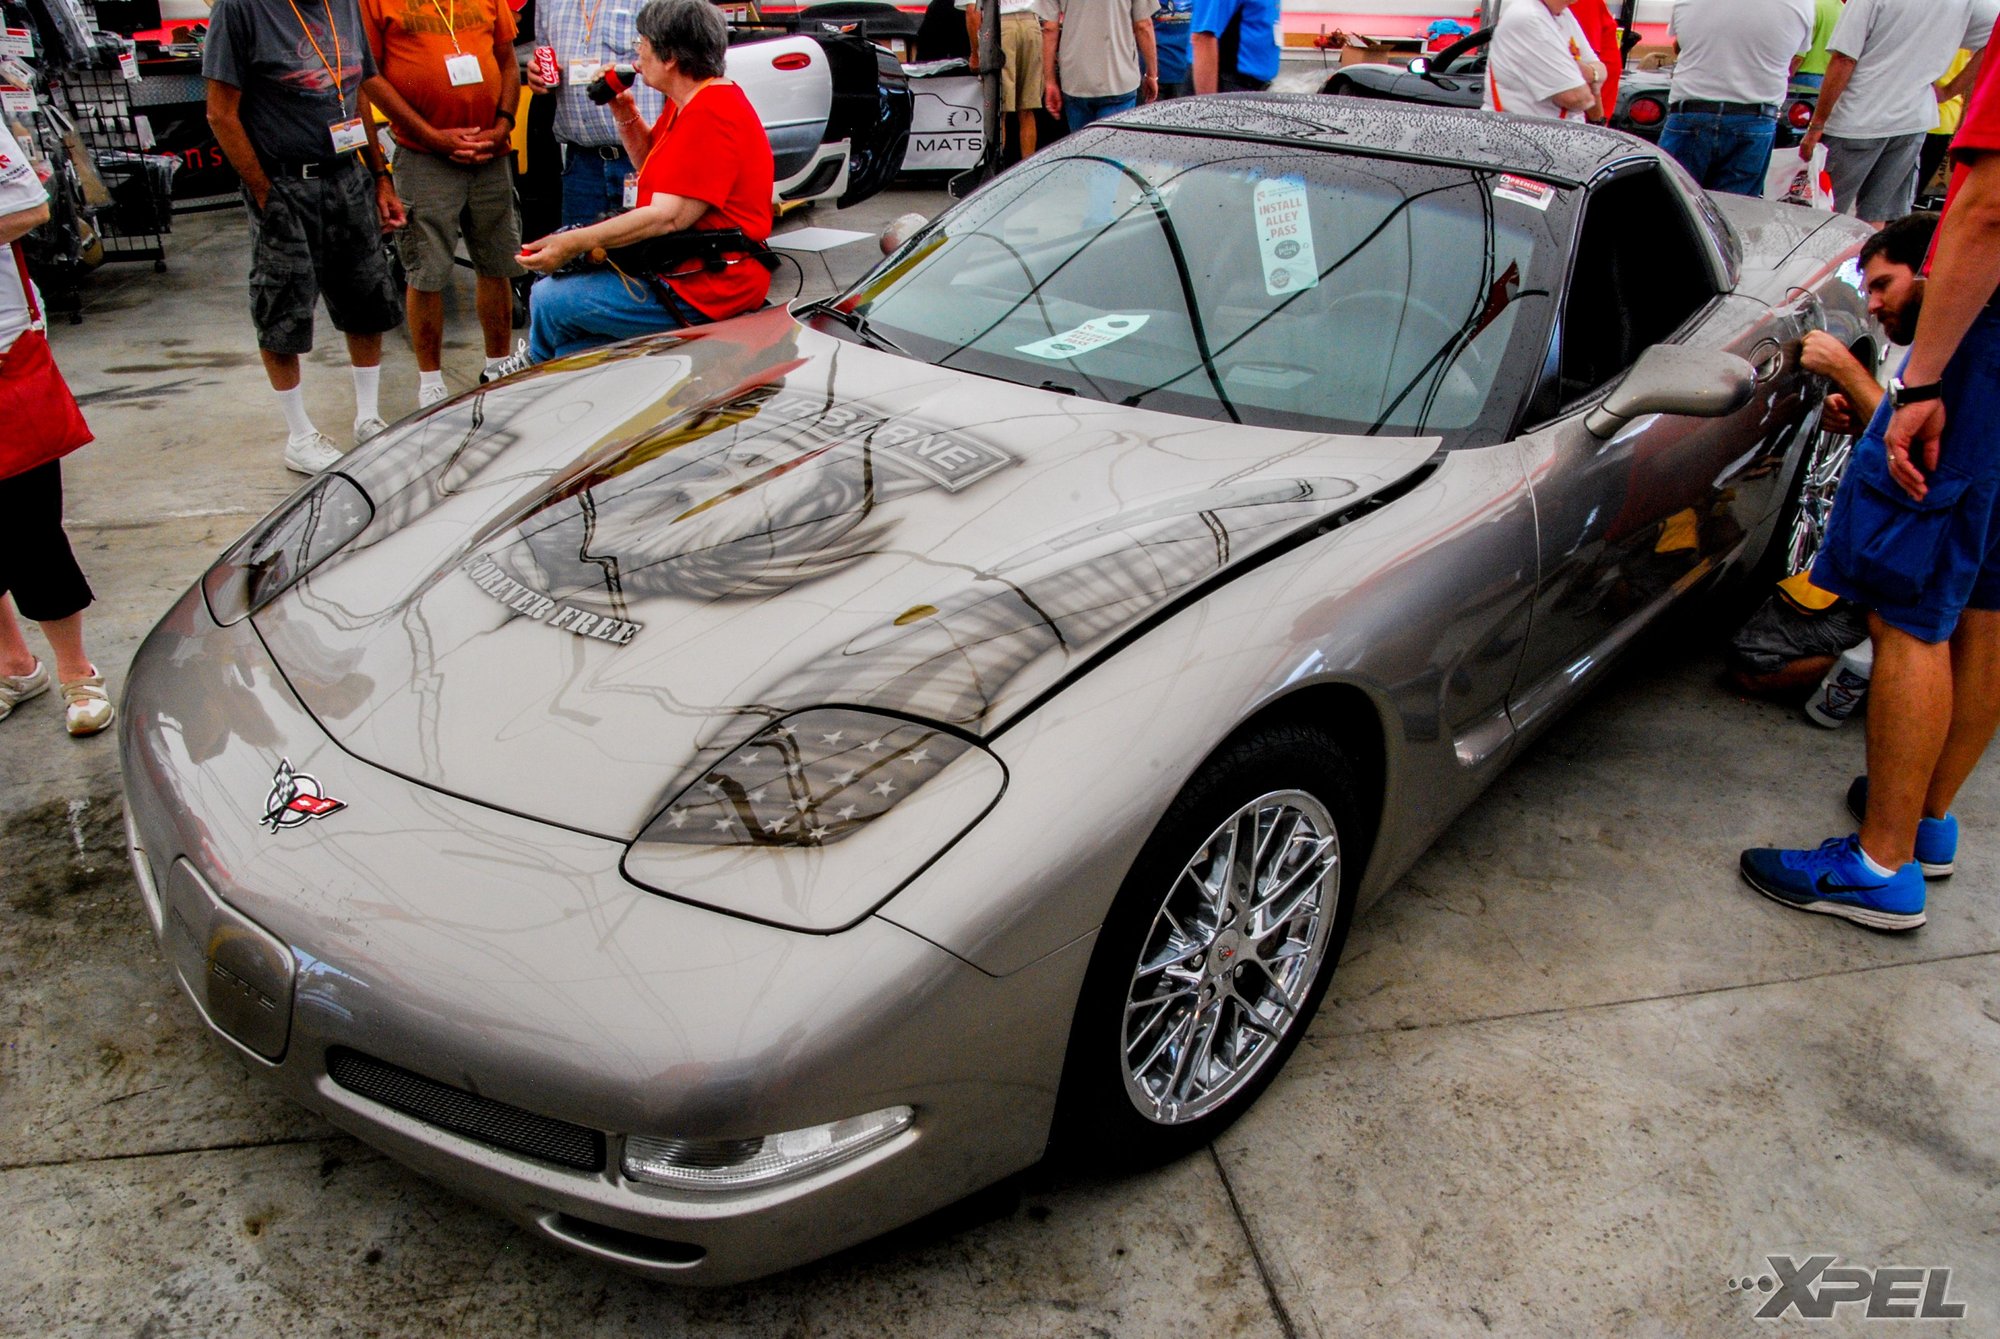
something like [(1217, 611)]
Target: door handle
[(1767, 358)]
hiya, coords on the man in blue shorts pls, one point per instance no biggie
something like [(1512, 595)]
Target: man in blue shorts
[(1915, 536)]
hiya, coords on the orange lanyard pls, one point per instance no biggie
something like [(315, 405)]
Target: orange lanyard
[(333, 70), (451, 23), (589, 21)]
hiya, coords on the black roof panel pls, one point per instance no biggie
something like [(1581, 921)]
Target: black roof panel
[(1568, 151)]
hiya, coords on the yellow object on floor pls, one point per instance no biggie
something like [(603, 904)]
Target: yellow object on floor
[(1808, 597)]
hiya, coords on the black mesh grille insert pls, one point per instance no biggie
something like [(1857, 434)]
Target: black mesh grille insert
[(475, 1117)]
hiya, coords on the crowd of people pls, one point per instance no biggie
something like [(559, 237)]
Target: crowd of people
[(292, 88), (1886, 80)]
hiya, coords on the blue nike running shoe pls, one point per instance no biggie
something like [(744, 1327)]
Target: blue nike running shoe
[(1937, 838), (1834, 880)]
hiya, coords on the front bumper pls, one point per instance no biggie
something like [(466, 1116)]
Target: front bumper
[(510, 963)]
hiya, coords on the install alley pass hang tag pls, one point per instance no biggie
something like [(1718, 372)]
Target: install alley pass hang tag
[(1284, 235), (348, 135), (1092, 334), (463, 70)]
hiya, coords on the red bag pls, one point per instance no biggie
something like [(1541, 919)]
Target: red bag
[(39, 420)]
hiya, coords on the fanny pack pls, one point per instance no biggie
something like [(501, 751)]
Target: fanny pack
[(676, 255)]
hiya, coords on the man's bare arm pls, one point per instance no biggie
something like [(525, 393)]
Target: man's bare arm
[(225, 118)]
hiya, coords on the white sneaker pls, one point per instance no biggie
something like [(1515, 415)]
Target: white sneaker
[(88, 708), (430, 395), (517, 361), (364, 428), (18, 688), (310, 455)]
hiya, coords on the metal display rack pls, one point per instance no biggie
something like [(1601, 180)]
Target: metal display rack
[(135, 224)]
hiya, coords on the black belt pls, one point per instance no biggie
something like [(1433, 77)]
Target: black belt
[(312, 169), (1694, 108), (610, 153)]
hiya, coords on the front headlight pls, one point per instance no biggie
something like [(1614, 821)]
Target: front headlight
[(791, 826), (809, 780), (290, 542)]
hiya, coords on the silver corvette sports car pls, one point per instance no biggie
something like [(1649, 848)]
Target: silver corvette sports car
[(725, 795)]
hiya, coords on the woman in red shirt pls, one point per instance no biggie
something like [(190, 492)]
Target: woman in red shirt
[(705, 163)]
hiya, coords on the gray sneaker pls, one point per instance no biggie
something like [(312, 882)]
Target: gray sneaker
[(18, 688), (517, 361), (311, 455)]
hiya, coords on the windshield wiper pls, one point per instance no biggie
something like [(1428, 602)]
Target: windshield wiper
[(860, 325)]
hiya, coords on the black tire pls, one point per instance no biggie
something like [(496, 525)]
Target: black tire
[(1099, 1119)]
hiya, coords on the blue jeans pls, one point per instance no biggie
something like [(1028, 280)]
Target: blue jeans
[(1723, 153), (593, 186), (1812, 81), (1080, 112), (581, 311)]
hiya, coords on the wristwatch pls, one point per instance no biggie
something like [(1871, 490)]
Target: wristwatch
[(1900, 395)]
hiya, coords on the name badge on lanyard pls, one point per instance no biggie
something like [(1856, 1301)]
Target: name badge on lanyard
[(581, 72), (463, 70), (631, 190), (348, 135)]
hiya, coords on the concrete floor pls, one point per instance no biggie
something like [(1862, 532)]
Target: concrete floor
[(1572, 1077)]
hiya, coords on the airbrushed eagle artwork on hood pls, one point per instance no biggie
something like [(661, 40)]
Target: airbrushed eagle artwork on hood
[(725, 795), (800, 522)]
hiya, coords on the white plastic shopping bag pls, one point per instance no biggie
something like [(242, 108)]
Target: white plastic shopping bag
[(1791, 180)]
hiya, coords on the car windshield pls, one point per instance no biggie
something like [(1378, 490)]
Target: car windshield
[(1235, 281)]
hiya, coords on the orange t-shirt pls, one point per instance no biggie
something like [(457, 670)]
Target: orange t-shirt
[(413, 39), (714, 150)]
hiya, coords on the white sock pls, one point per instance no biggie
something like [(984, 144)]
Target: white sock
[(297, 423), (493, 363), (1880, 871), (367, 393), (430, 381)]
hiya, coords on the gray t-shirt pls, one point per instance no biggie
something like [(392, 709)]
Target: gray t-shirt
[(1900, 48), (1738, 50), (1098, 56), (289, 97)]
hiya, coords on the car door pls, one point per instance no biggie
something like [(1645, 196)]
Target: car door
[(1628, 521)]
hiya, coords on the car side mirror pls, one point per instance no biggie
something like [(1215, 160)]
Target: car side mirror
[(1420, 65), (1670, 379)]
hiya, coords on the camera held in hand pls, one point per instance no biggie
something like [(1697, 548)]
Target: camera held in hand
[(612, 82)]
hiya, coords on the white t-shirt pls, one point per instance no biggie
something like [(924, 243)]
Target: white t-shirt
[(20, 189), (1006, 7), (1738, 50), (1900, 48), (1534, 55)]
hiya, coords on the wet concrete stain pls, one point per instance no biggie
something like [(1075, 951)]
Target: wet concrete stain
[(145, 397), (60, 853), (184, 362)]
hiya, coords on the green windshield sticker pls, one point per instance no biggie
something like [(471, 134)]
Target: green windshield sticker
[(1092, 334), (1284, 235)]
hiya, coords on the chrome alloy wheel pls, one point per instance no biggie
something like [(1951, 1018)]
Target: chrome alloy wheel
[(1231, 956), (1819, 480)]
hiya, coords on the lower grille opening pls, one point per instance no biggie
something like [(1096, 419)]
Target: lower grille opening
[(467, 1114), (617, 1241)]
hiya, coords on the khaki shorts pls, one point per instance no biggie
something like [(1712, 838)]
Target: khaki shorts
[(437, 193), (1021, 71)]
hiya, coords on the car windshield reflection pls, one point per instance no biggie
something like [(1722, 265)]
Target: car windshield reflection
[(1221, 280)]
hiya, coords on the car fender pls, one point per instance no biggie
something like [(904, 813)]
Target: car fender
[(1417, 608)]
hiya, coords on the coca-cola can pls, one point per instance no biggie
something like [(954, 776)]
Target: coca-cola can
[(545, 65)]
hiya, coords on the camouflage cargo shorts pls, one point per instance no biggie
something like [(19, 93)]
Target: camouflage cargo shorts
[(319, 239)]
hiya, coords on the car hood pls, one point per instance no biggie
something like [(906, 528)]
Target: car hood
[(583, 582)]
